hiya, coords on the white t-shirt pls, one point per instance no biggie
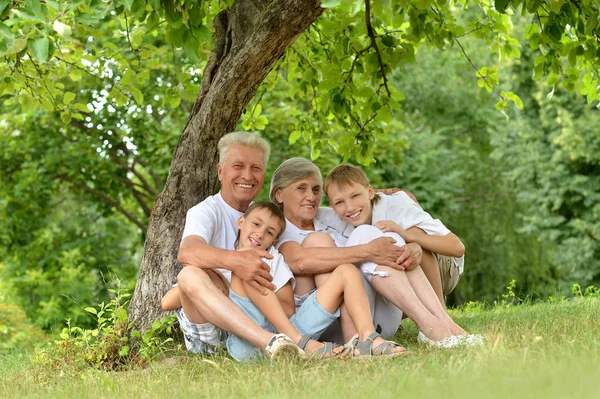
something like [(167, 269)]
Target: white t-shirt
[(215, 221), (332, 226), (279, 270), (400, 208)]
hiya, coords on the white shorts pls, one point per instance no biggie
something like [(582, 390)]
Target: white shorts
[(204, 338), (386, 315)]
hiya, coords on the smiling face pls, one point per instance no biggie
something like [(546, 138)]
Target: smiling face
[(352, 202), (300, 201), (241, 175), (259, 230)]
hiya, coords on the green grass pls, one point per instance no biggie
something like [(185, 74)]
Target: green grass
[(543, 350)]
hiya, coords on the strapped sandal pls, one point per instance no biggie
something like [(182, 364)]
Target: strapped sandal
[(324, 353), (281, 346), (366, 351)]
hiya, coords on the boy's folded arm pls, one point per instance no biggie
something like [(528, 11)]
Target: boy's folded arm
[(449, 245)]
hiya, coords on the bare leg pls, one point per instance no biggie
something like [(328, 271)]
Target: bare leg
[(320, 240), (428, 297), (431, 268), (345, 284), (204, 301), (271, 307), (397, 289), (304, 284)]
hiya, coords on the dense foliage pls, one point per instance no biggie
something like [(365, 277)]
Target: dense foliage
[(95, 94)]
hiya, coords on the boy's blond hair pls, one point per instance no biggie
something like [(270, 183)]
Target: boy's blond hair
[(346, 175)]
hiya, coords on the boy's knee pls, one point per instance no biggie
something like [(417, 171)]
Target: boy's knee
[(318, 240), (348, 270)]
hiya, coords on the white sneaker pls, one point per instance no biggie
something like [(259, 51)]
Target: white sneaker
[(447, 343), (471, 339), (281, 346)]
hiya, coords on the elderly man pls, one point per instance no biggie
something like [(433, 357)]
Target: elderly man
[(208, 256)]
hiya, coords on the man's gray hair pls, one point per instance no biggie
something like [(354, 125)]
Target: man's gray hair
[(290, 171), (242, 138)]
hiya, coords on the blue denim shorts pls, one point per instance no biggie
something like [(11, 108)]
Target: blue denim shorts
[(310, 319)]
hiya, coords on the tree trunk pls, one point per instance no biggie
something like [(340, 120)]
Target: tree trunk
[(249, 38)]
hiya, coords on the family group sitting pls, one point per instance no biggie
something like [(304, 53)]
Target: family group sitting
[(288, 278)]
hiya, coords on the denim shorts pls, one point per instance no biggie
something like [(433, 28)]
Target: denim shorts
[(310, 319)]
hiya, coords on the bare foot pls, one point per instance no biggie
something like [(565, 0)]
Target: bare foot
[(396, 350), (438, 334), (314, 345)]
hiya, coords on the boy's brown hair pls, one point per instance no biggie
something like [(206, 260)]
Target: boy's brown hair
[(346, 175)]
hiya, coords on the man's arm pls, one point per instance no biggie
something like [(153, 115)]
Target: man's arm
[(248, 265), (322, 260)]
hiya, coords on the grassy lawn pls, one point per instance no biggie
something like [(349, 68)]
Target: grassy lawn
[(544, 350)]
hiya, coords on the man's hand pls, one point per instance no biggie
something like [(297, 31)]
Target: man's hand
[(410, 257), (383, 252), (249, 266)]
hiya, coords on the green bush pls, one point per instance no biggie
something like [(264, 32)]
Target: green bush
[(15, 330), (113, 345)]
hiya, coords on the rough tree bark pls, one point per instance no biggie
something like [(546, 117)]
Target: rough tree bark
[(249, 38)]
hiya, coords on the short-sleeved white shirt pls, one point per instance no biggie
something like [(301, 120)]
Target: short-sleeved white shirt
[(332, 226), (400, 208), (280, 270), (215, 221)]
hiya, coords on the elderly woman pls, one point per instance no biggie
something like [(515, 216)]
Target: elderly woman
[(313, 245)]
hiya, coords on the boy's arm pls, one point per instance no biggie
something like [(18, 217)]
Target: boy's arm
[(448, 244), (171, 300)]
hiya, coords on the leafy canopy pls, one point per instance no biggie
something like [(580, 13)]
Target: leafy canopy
[(342, 64)]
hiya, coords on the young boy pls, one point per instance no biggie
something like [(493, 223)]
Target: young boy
[(355, 202), (259, 228)]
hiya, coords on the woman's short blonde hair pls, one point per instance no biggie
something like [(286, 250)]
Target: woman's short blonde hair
[(242, 138), (290, 171)]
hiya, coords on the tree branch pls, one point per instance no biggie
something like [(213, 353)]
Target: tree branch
[(106, 199), (371, 34)]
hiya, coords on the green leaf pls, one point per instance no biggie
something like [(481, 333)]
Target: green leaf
[(35, 7), (18, 46), (68, 98), (3, 4), (173, 98), (501, 5), (63, 30), (65, 116), (553, 79), (91, 310), (127, 76), (137, 94), (124, 351), (121, 314), (127, 4), (191, 45), (40, 49), (330, 3), (294, 136)]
